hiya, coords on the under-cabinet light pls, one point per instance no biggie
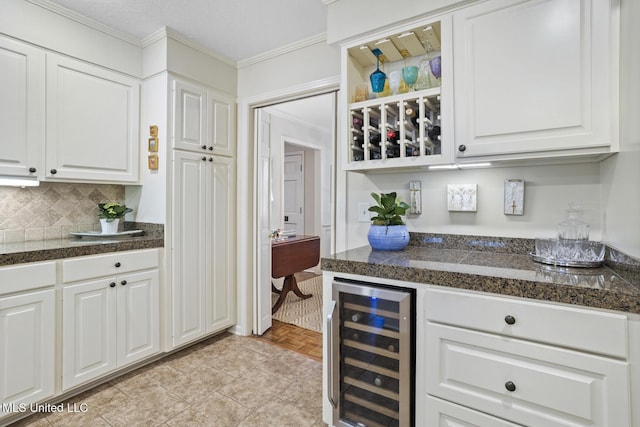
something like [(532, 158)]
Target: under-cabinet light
[(442, 167), (459, 166), (473, 165), (19, 182)]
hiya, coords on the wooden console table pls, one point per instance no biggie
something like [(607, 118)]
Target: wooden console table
[(289, 256)]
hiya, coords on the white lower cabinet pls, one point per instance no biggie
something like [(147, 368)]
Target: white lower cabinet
[(27, 335), (27, 349), (520, 377), (111, 321)]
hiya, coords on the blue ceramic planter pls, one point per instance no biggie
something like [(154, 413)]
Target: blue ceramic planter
[(388, 238)]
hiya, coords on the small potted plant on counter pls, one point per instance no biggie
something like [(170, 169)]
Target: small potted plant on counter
[(388, 231), (110, 214)]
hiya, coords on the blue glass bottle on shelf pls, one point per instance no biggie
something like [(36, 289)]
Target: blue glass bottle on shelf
[(377, 77)]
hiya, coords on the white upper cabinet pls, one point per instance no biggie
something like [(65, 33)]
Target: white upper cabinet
[(534, 79), (204, 121), (221, 124), (92, 122), (21, 108), (189, 126)]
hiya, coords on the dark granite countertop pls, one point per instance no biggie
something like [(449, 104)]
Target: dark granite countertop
[(500, 266), (43, 250)]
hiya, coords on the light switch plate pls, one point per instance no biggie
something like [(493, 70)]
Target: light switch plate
[(514, 197), (363, 212), (462, 197)]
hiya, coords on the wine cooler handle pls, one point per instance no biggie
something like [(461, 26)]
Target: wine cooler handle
[(330, 361)]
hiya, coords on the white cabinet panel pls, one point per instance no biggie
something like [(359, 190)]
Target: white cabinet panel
[(440, 413), (221, 295), (526, 382), (138, 316), (88, 331), (533, 77), (188, 252), (189, 113), (573, 327), (27, 348), (89, 267), (92, 122), (21, 109), (221, 124)]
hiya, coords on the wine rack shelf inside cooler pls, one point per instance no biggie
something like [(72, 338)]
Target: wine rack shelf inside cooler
[(396, 127), (374, 362)]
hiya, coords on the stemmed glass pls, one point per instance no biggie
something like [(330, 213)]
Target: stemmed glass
[(377, 77), (409, 73), (395, 78)]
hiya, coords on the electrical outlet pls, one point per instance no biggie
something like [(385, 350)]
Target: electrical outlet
[(363, 212)]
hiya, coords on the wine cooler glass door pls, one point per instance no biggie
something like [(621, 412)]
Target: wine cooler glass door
[(372, 347)]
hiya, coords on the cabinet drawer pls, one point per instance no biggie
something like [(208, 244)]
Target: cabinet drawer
[(525, 382), (27, 276), (440, 413), (566, 326), (88, 267)]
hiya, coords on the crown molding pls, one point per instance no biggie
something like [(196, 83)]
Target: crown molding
[(174, 35), (81, 19), (300, 44)]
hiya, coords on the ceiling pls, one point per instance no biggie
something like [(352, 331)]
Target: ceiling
[(237, 29)]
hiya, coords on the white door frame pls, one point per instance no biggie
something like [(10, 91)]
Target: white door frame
[(301, 190), (247, 197)]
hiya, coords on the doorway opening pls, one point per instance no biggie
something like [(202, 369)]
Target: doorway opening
[(295, 165)]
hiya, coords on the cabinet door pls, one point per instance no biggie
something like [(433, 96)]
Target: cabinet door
[(88, 331), (221, 124), (533, 77), (92, 122), (21, 108), (188, 247), (27, 348), (138, 319), (221, 244), (189, 117)]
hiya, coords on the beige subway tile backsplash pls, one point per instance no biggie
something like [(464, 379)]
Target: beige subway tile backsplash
[(52, 210)]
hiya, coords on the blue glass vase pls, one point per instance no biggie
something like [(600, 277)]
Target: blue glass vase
[(377, 77)]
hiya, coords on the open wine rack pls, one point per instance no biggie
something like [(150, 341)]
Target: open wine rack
[(396, 127)]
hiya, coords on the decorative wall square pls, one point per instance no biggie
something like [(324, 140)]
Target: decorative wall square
[(462, 197)]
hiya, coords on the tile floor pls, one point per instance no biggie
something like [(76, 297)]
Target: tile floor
[(225, 381)]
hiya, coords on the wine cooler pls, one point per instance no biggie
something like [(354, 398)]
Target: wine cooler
[(371, 352)]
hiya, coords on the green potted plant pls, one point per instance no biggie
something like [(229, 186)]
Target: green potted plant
[(110, 214), (388, 231)]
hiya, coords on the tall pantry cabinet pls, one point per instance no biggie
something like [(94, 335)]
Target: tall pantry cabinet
[(202, 211)]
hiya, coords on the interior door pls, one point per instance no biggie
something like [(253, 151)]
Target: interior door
[(263, 241), (293, 195)]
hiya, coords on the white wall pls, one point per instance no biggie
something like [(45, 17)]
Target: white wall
[(313, 63), (621, 173), (151, 196), (548, 189)]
